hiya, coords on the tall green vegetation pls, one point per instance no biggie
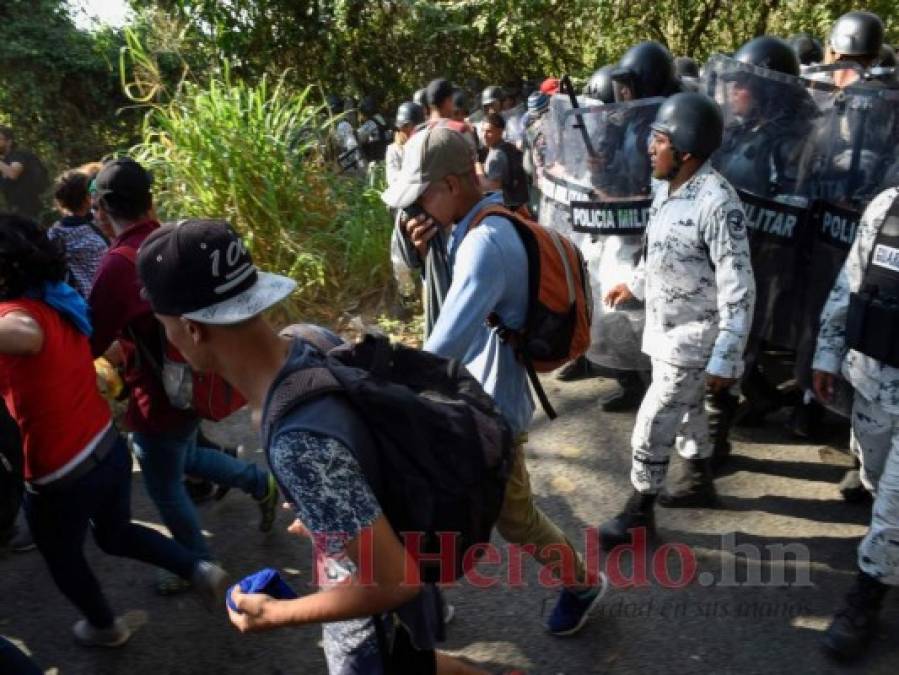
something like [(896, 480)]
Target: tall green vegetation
[(251, 154)]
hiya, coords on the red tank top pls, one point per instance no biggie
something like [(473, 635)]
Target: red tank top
[(52, 395)]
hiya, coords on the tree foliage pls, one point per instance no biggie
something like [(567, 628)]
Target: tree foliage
[(391, 47), (60, 86)]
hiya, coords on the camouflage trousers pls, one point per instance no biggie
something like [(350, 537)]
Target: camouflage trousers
[(875, 441), (672, 415)]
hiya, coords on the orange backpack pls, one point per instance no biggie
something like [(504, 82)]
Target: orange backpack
[(560, 303)]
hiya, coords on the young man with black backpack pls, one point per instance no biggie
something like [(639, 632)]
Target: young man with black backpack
[(319, 435), (490, 285)]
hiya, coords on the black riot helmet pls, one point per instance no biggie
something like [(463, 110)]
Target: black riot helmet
[(887, 57), (692, 121), (599, 86), (684, 66), (409, 112), (460, 100), (367, 106), (767, 51), (335, 104), (421, 97), (647, 69), (491, 95), (857, 34), (808, 49)]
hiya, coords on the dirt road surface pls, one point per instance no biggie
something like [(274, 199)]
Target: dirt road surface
[(770, 567)]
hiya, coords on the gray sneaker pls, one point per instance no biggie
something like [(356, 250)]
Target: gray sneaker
[(211, 582), (114, 636)]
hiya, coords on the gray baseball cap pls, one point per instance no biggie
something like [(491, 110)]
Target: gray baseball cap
[(430, 155)]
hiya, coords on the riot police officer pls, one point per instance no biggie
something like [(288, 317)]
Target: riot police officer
[(645, 71), (808, 49), (408, 116), (855, 37), (769, 119), (688, 71), (344, 146), (759, 153), (534, 145), (374, 134), (858, 337), (421, 98), (852, 148), (697, 283), (600, 87)]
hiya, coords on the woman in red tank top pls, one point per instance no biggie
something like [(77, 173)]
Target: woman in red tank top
[(77, 466)]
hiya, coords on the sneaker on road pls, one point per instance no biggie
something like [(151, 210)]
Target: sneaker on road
[(114, 636), (211, 582), (268, 505), (573, 609)]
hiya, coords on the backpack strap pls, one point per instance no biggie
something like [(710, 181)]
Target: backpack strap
[(516, 337), (299, 386)]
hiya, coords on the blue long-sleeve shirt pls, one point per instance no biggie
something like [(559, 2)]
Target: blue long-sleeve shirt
[(489, 274)]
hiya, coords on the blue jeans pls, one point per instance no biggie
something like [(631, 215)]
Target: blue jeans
[(101, 499), (165, 458), (14, 661)]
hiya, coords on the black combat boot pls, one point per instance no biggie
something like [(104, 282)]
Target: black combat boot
[(637, 513), (805, 422), (690, 486), (631, 395), (855, 623), (851, 487), (579, 369), (762, 398), (721, 409)]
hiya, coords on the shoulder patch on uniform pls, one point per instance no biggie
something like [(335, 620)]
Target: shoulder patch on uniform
[(735, 223)]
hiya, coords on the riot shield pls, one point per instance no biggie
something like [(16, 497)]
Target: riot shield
[(768, 120), (598, 192), (853, 143), (832, 232), (852, 156)]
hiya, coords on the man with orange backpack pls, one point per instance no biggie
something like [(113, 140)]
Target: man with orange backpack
[(164, 435), (490, 267)]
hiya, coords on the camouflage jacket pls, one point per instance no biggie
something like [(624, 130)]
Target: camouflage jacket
[(872, 379), (695, 276)]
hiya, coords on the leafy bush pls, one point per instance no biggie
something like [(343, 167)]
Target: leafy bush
[(253, 153)]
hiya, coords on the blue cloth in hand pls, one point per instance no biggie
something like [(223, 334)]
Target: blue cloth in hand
[(266, 581)]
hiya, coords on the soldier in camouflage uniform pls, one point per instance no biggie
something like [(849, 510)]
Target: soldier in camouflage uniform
[(696, 279), (534, 146), (845, 345)]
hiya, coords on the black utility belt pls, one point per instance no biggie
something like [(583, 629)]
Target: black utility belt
[(872, 327)]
